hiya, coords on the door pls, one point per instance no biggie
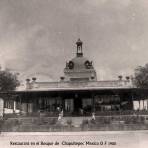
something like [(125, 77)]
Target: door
[(77, 105), (69, 105)]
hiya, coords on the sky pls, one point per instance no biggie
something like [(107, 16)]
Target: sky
[(37, 37)]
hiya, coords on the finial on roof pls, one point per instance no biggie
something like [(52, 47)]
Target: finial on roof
[(79, 42)]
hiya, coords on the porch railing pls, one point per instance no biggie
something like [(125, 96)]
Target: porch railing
[(97, 113)]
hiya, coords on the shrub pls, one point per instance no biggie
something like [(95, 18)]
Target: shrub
[(85, 122), (69, 122), (53, 121)]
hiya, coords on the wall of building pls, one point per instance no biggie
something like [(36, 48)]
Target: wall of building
[(1, 107), (141, 105)]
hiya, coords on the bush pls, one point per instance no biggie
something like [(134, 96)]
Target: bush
[(53, 121), (69, 122), (84, 122)]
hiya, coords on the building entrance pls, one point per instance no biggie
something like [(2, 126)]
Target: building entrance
[(78, 106)]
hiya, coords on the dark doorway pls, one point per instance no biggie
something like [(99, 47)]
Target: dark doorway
[(77, 106)]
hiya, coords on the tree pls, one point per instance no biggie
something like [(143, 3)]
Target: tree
[(8, 80), (141, 76)]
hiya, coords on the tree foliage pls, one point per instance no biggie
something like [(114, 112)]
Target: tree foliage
[(141, 76), (8, 81)]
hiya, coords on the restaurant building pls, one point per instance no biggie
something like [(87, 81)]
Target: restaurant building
[(77, 93)]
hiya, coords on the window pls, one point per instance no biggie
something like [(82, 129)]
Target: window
[(49, 104), (69, 105), (9, 104)]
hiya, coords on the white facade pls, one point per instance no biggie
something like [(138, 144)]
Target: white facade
[(1, 107)]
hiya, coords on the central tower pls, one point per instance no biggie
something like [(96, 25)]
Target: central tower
[(79, 68)]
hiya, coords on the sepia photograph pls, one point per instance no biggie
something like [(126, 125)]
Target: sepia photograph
[(74, 73)]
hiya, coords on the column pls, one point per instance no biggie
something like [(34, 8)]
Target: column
[(63, 103), (24, 108), (30, 107), (147, 103), (14, 106), (93, 103), (139, 104), (132, 102)]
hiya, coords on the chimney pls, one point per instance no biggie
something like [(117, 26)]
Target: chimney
[(62, 78), (120, 77), (28, 84), (33, 79), (127, 78)]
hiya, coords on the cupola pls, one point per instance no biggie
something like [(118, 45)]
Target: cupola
[(79, 48)]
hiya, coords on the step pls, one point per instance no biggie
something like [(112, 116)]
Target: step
[(76, 121)]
